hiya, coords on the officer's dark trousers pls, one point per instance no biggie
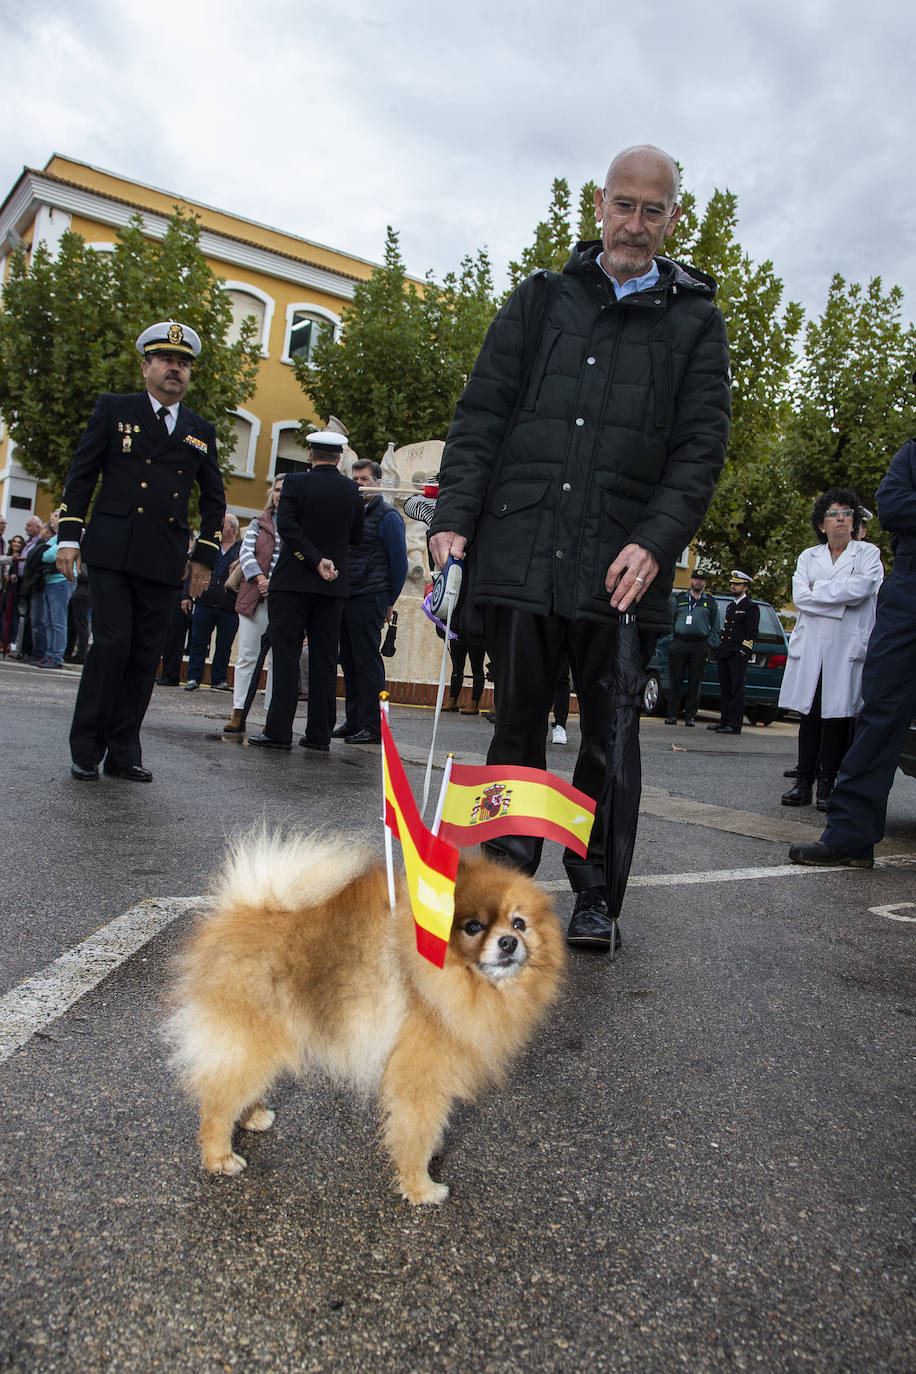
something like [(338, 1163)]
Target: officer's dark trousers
[(732, 680), (292, 615), (857, 808), (130, 617), (363, 669), (526, 652), (685, 655)]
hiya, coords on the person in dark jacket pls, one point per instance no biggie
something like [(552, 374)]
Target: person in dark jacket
[(581, 459), (857, 806), (214, 612), (694, 631), (378, 569), (149, 450), (319, 518), (736, 644)]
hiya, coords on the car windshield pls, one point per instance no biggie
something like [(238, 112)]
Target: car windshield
[(770, 626)]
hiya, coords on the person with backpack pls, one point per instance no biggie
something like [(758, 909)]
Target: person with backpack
[(582, 457)]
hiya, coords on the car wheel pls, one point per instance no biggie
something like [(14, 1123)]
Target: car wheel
[(761, 715), (652, 696)]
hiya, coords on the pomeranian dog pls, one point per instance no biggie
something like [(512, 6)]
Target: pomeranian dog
[(300, 964)]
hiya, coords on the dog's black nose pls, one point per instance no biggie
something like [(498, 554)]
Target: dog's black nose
[(507, 943)]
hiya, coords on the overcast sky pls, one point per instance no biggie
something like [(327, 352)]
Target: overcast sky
[(451, 121)]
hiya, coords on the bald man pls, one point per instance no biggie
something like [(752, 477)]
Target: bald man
[(581, 459)]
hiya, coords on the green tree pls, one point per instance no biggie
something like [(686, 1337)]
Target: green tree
[(552, 238), (588, 229), (404, 354), (67, 331), (853, 399)]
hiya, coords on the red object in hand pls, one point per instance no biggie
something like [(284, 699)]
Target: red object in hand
[(431, 489)]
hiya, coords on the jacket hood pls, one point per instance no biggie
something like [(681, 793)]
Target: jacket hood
[(584, 259)]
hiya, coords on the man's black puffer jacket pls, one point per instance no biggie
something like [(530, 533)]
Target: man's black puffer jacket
[(618, 438)]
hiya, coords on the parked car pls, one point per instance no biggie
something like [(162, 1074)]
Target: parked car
[(765, 669)]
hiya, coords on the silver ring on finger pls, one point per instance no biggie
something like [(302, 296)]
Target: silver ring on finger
[(640, 580)]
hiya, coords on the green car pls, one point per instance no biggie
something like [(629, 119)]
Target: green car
[(765, 668)]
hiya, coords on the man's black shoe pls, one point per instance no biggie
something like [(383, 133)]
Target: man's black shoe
[(791, 773), (343, 731), (718, 726), (167, 682), (689, 721), (591, 925), (265, 742), (671, 720), (363, 737), (84, 774), (822, 855), (310, 744), (800, 795), (729, 729), (131, 771)]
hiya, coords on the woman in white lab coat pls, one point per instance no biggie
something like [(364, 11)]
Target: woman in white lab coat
[(834, 588)]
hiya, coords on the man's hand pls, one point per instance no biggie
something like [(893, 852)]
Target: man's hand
[(68, 563), (327, 570), (200, 580), (445, 543), (187, 605), (629, 575)]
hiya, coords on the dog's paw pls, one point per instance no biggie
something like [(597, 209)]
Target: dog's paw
[(426, 1193), (230, 1164), (258, 1119)]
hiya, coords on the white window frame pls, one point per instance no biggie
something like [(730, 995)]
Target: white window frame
[(245, 288), (248, 469), (310, 308), (276, 430)]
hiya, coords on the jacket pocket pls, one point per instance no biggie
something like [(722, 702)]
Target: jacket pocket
[(109, 507), (618, 516), (508, 533)]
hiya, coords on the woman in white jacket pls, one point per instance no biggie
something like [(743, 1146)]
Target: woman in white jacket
[(834, 589)]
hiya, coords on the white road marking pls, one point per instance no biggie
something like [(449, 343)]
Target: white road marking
[(36, 1002), (891, 910), (39, 1000)]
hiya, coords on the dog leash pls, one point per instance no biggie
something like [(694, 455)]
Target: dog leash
[(442, 598)]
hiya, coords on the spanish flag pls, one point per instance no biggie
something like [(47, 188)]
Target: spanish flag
[(430, 863), (483, 802)]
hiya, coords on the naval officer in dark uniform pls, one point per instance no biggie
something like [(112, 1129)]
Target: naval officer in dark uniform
[(149, 449), (736, 644), (319, 517)]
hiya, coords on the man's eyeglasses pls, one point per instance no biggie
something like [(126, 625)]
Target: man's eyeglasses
[(623, 209), (837, 514)]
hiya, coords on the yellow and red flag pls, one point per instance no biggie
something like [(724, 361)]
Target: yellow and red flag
[(430, 863), (481, 803)]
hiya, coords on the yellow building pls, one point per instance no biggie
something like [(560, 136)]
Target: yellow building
[(294, 288)]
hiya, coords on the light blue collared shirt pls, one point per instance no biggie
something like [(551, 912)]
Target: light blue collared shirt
[(634, 283)]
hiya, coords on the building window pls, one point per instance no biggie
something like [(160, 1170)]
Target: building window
[(287, 456), (305, 325), (246, 427), (248, 300)]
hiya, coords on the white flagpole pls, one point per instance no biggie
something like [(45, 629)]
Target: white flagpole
[(446, 775), (389, 860)]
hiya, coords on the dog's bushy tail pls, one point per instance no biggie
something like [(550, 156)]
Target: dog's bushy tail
[(286, 871)]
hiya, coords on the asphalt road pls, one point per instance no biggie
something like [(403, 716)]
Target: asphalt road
[(703, 1162)]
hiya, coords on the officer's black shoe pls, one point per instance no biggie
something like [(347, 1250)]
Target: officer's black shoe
[(718, 726), (84, 774), (791, 773), (133, 772), (689, 722), (800, 795), (306, 743), (265, 742), (671, 720), (342, 731), (822, 855), (363, 737), (824, 788), (590, 926)]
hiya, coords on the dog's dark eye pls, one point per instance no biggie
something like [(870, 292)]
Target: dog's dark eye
[(473, 927), (518, 923)]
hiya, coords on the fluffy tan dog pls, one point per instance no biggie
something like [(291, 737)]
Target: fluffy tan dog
[(300, 964)]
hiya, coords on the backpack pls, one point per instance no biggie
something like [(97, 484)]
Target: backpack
[(33, 573)]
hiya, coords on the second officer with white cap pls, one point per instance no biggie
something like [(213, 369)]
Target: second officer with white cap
[(742, 622)]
